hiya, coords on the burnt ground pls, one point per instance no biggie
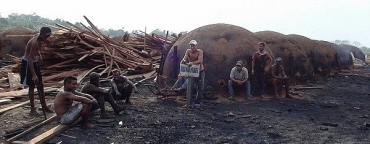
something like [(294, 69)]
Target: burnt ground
[(337, 113)]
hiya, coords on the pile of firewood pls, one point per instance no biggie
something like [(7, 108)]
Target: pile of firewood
[(78, 51)]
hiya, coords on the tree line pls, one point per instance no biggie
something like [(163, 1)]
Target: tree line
[(35, 22)]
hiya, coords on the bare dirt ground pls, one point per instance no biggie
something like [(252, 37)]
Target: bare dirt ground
[(337, 113)]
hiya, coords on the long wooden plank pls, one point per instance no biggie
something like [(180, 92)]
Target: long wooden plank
[(50, 133), (13, 106), (31, 129), (24, 92)]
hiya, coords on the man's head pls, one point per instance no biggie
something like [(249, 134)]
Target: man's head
[(239, 65), (116, 73), (261, 46), (94, 78), (45, 33), (70, 83), (278, 60), (193, 45)]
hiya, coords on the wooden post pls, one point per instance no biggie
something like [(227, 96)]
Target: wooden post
[(144, 39), (175, 63), (189, 91)]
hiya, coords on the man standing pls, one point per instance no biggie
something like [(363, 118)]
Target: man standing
[(30, 69), (277, 76), (239, 76), (261, 61), (101, 94), (122, 87), (194, 56), (66, 113)]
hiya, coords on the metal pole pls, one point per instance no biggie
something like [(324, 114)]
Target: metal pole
[(188, 92)]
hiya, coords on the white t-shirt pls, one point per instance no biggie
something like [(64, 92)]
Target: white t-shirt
[(239, 75)]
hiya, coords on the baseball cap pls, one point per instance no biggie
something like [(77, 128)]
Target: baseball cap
[(239, 63), (279, 59), (193, 42), (45, 30), (94, 75)]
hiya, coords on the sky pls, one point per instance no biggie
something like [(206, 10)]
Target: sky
[(327, 20)]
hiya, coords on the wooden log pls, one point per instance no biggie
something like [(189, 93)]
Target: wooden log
[(61, 63), (3, 101), (14, 106), (50, 133), (31, 129), (62, 74), (24, 92), (301, 88)]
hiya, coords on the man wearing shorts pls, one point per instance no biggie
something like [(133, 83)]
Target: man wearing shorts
[(30, 68), (66, 113)]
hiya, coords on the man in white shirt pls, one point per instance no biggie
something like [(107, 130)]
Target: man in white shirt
[(239, 76)]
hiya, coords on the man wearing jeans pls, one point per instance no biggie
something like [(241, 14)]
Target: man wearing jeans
[(261, 62), (239, 76), (194, 56)]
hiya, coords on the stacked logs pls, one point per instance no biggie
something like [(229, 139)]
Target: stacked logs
[(74, 50)]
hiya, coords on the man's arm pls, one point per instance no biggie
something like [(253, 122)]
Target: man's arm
[(253, 62), (114, 86), (282, 71), (200, 58), (78, 98), (90, 88), (185, 57), (245, 76), (130, 83), (269, 62)]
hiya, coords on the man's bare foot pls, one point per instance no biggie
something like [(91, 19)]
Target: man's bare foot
[(48, 110), (88, 126), (34, 113), (264, 97)]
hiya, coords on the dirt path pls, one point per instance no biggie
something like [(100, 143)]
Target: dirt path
[(335, 114)]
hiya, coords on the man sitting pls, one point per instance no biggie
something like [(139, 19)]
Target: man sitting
[(66, 113), (277, 76), (101, 94), (122, 87), (239, 76)]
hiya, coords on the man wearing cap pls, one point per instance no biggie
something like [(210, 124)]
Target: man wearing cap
[(261, 62), (277, 76), (30, 69), (239, 76), (194, 56), (101, 94)]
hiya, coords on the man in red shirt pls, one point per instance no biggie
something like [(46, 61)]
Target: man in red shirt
[(261, 62)]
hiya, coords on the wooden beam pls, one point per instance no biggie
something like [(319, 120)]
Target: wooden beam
[(31, 129), (50, 133), (14, 106), (23, 92)]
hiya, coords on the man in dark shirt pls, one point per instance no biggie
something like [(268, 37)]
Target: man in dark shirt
[(277, 76), (261, 62), (122, 87), (101, 94)]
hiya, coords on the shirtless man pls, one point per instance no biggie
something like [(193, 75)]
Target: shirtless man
[(194, 56), (101, 94), (122, 87), (30, 69), (66, 113), (277, 76)]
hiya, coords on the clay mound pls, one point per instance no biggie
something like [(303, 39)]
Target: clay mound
[(326, 53), (355, 50), (295, 59), (14, 41), (344, 56), (223, 45)]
